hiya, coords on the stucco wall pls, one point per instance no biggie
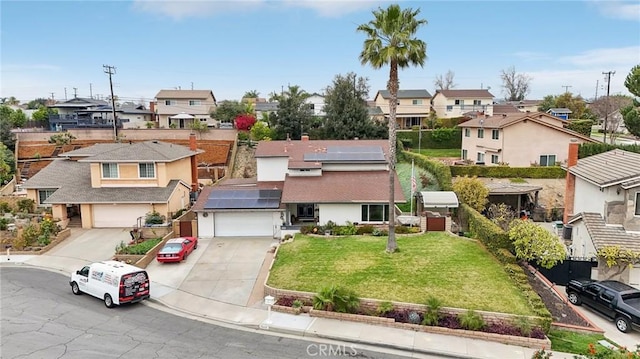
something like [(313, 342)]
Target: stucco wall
[(632, 221), (339, 213), (272, 168), (581, 245), (589, 198)]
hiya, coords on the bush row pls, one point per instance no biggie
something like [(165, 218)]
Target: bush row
[(438, 138), (508, 172), (590, 149), (440, 171)]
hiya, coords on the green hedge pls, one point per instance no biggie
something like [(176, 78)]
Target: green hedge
[(440, 171), (581, 126), (438, 138), (590, 149), (492, 236), (508, 172)]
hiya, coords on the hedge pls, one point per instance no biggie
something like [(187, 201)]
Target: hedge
[(482, 228), (440, 171), (590, 149), (581, 126), (438, 138), (508, 172)]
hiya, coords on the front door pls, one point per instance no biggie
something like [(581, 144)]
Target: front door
[(306, 211)]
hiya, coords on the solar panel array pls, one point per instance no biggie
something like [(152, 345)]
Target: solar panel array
[(347, 153), (244, 199)]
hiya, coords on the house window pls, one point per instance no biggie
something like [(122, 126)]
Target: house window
[(170, 102), (459, 102), (467, 132), (449, 108), (547, 160), (464, 154), (109, 170), (480, 157), (477, 102), (495, 134), (43, 194), (147, 170), (494, 159), (375, 212), (480, 133), (195, 102), (637, 203), (306, 210), (417, 102)]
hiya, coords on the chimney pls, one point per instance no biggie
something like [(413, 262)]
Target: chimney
[(570, 187), (304, 138), (193, 146)]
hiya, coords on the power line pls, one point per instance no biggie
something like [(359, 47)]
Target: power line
[(608, 75), (566, 88), (111, 70)]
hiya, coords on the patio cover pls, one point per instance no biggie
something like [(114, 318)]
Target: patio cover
[(439, 199), (182, 116)]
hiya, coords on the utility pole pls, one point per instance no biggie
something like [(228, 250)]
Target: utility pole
[(191, 85), (90, 90), (597, 84), (53, 100), (112, 70), (65, 94), (75, 92), (566, 88), (606, 108)]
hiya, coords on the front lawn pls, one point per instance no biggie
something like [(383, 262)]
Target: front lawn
[(457, 271), (439, 152)]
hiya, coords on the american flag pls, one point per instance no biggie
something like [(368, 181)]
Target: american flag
[(414, 184)]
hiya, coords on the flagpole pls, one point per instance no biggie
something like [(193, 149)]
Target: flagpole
[(413, 185)]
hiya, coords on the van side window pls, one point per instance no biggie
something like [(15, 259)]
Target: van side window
[(607, 296), (84, 271), (593, 290)]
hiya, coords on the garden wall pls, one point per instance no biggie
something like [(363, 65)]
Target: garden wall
[(62, 235)]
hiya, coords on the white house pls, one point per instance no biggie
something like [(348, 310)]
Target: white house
[(300, 182), (455, 103), (316, 104)]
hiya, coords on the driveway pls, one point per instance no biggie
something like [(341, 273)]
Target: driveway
[(82, 247), (224, 269)]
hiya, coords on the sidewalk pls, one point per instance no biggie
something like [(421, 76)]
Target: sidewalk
[(359, 335)]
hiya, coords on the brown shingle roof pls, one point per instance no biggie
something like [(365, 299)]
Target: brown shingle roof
[(466, 93), (609, 168), (185, 94), (341, 187), (500, 109), (603, 235)]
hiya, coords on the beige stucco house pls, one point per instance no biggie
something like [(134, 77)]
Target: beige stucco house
[(180, 108), (455, 103), (414, 107), (117, 184), (517, 139)]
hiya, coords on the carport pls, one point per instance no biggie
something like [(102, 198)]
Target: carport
[(518, 197)]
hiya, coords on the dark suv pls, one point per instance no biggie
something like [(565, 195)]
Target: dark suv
[(615, 300)]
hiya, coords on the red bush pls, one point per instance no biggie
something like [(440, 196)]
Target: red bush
[(244, 122)]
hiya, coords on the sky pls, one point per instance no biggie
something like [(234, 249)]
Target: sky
[(231, 47)]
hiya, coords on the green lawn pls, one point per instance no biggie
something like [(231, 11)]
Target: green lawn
[(457, 271), (572, 342), (439, 152)]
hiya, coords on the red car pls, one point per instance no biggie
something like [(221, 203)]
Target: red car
[(177, 249)]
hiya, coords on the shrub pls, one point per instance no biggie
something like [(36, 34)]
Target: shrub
[(509, 172), (440, 171), (154, 218), (179, 213), (406, 230), (524, 325), (384, 308), (336, 299), (243, 136), (365, 229), (583, 127), (140, 248), (442, 139), (3, 223), (5, 207), (380, 232), (432, 313), (30, 234), (297, 304), (471, 320), (348, 230), (26, 205), (590, 149)]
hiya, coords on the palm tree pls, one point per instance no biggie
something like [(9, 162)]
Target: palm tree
[(391, 40)]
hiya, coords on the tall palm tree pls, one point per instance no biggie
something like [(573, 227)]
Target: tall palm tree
[(391, 39)]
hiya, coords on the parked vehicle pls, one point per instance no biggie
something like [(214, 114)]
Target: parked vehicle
[(112, 281), (617, 301), (177, 249)]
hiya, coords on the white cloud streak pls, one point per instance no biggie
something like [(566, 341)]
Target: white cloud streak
[(619, 9)]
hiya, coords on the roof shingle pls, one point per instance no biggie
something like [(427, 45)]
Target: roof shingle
[(608, 168), (603, 235)]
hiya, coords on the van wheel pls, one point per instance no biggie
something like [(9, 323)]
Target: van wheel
[(108, 301), (75, 289), (574, 298), (622, 324)]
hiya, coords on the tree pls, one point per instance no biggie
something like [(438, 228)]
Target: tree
[(515, 85), (445, 83), (293, 113), (201, 127), (18, 118), (534, 243), (43, 113), (244, 122), (251, 94), (62, 138), (631, 116), (601, 107), (501, 214), (471, 191), (260, 131), (227, 111), (576, 104), (37, 103), (7, 164), (347, 114), (10, 101), (391, 40), (632, 81), (6, 136), (547, 103)]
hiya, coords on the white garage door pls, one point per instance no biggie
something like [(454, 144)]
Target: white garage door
[(243, 224), (122, 215)]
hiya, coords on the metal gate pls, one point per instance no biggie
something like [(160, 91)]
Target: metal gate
[(571, 268)]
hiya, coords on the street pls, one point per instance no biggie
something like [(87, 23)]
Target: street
[(41, 318)]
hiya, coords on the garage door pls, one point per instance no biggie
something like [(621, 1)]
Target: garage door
[(243, 224), (109, 215)]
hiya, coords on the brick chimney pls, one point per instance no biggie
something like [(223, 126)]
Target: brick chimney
[(194, 163), (570, 186)]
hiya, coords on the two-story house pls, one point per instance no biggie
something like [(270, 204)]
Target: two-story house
[(517, 139), (602, 208), (301, 182), (117, 184), (81, 112), (181, 108), (525, 105), (455, 103), (413, 108), (316, 104)]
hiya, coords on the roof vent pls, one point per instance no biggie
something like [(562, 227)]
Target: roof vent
[(155, 141)]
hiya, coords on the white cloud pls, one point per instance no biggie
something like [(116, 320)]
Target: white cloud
[(619, 9), (582, 82), (626, 56), (181, 9)]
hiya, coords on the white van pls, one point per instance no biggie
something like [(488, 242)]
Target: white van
[(112, 281)]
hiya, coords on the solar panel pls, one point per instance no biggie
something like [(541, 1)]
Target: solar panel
[(244, 199), (347, 153)]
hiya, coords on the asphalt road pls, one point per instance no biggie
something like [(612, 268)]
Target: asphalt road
[(41, 318)]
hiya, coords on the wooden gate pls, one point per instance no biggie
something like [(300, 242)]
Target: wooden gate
[(436, 224), (185, 229)]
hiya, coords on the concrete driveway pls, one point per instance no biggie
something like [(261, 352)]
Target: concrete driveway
[(82, 247), (224, 269)]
